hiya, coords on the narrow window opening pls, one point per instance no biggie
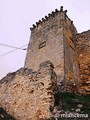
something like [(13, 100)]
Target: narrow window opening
[(43, 44)]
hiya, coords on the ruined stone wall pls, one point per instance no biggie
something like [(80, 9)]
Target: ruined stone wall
[(29, 95), (83, 50)]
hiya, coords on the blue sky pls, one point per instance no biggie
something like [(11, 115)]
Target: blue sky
[(17, 16)]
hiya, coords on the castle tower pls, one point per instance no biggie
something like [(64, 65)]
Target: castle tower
[(53, 39)]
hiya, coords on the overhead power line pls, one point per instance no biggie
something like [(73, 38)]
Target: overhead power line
[(14, 50), (5, 45)]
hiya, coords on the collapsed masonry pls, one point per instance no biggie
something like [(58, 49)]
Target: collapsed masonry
[(30, 95)]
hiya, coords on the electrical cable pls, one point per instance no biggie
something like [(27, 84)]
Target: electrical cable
[(10, 46), (14, 50)]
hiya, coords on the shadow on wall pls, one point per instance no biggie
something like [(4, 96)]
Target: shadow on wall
[(4, 115)]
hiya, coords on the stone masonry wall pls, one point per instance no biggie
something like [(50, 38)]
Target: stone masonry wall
[(71, 69), (51, 40), (83, 50), (46, 43), (29, 95)]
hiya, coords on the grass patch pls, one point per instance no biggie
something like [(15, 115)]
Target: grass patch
[(69, 101)]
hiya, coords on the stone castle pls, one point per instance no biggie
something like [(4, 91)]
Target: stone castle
[(57, 60)]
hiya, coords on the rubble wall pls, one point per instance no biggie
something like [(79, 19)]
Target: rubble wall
[(83, 50), (29, 95)]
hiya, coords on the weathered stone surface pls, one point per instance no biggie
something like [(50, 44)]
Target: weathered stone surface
[(57, 40), (29, 95), (35, 95), (54, 40), (83, 50)]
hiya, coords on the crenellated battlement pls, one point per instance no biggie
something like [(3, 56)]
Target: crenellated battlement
[(49, 16)]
